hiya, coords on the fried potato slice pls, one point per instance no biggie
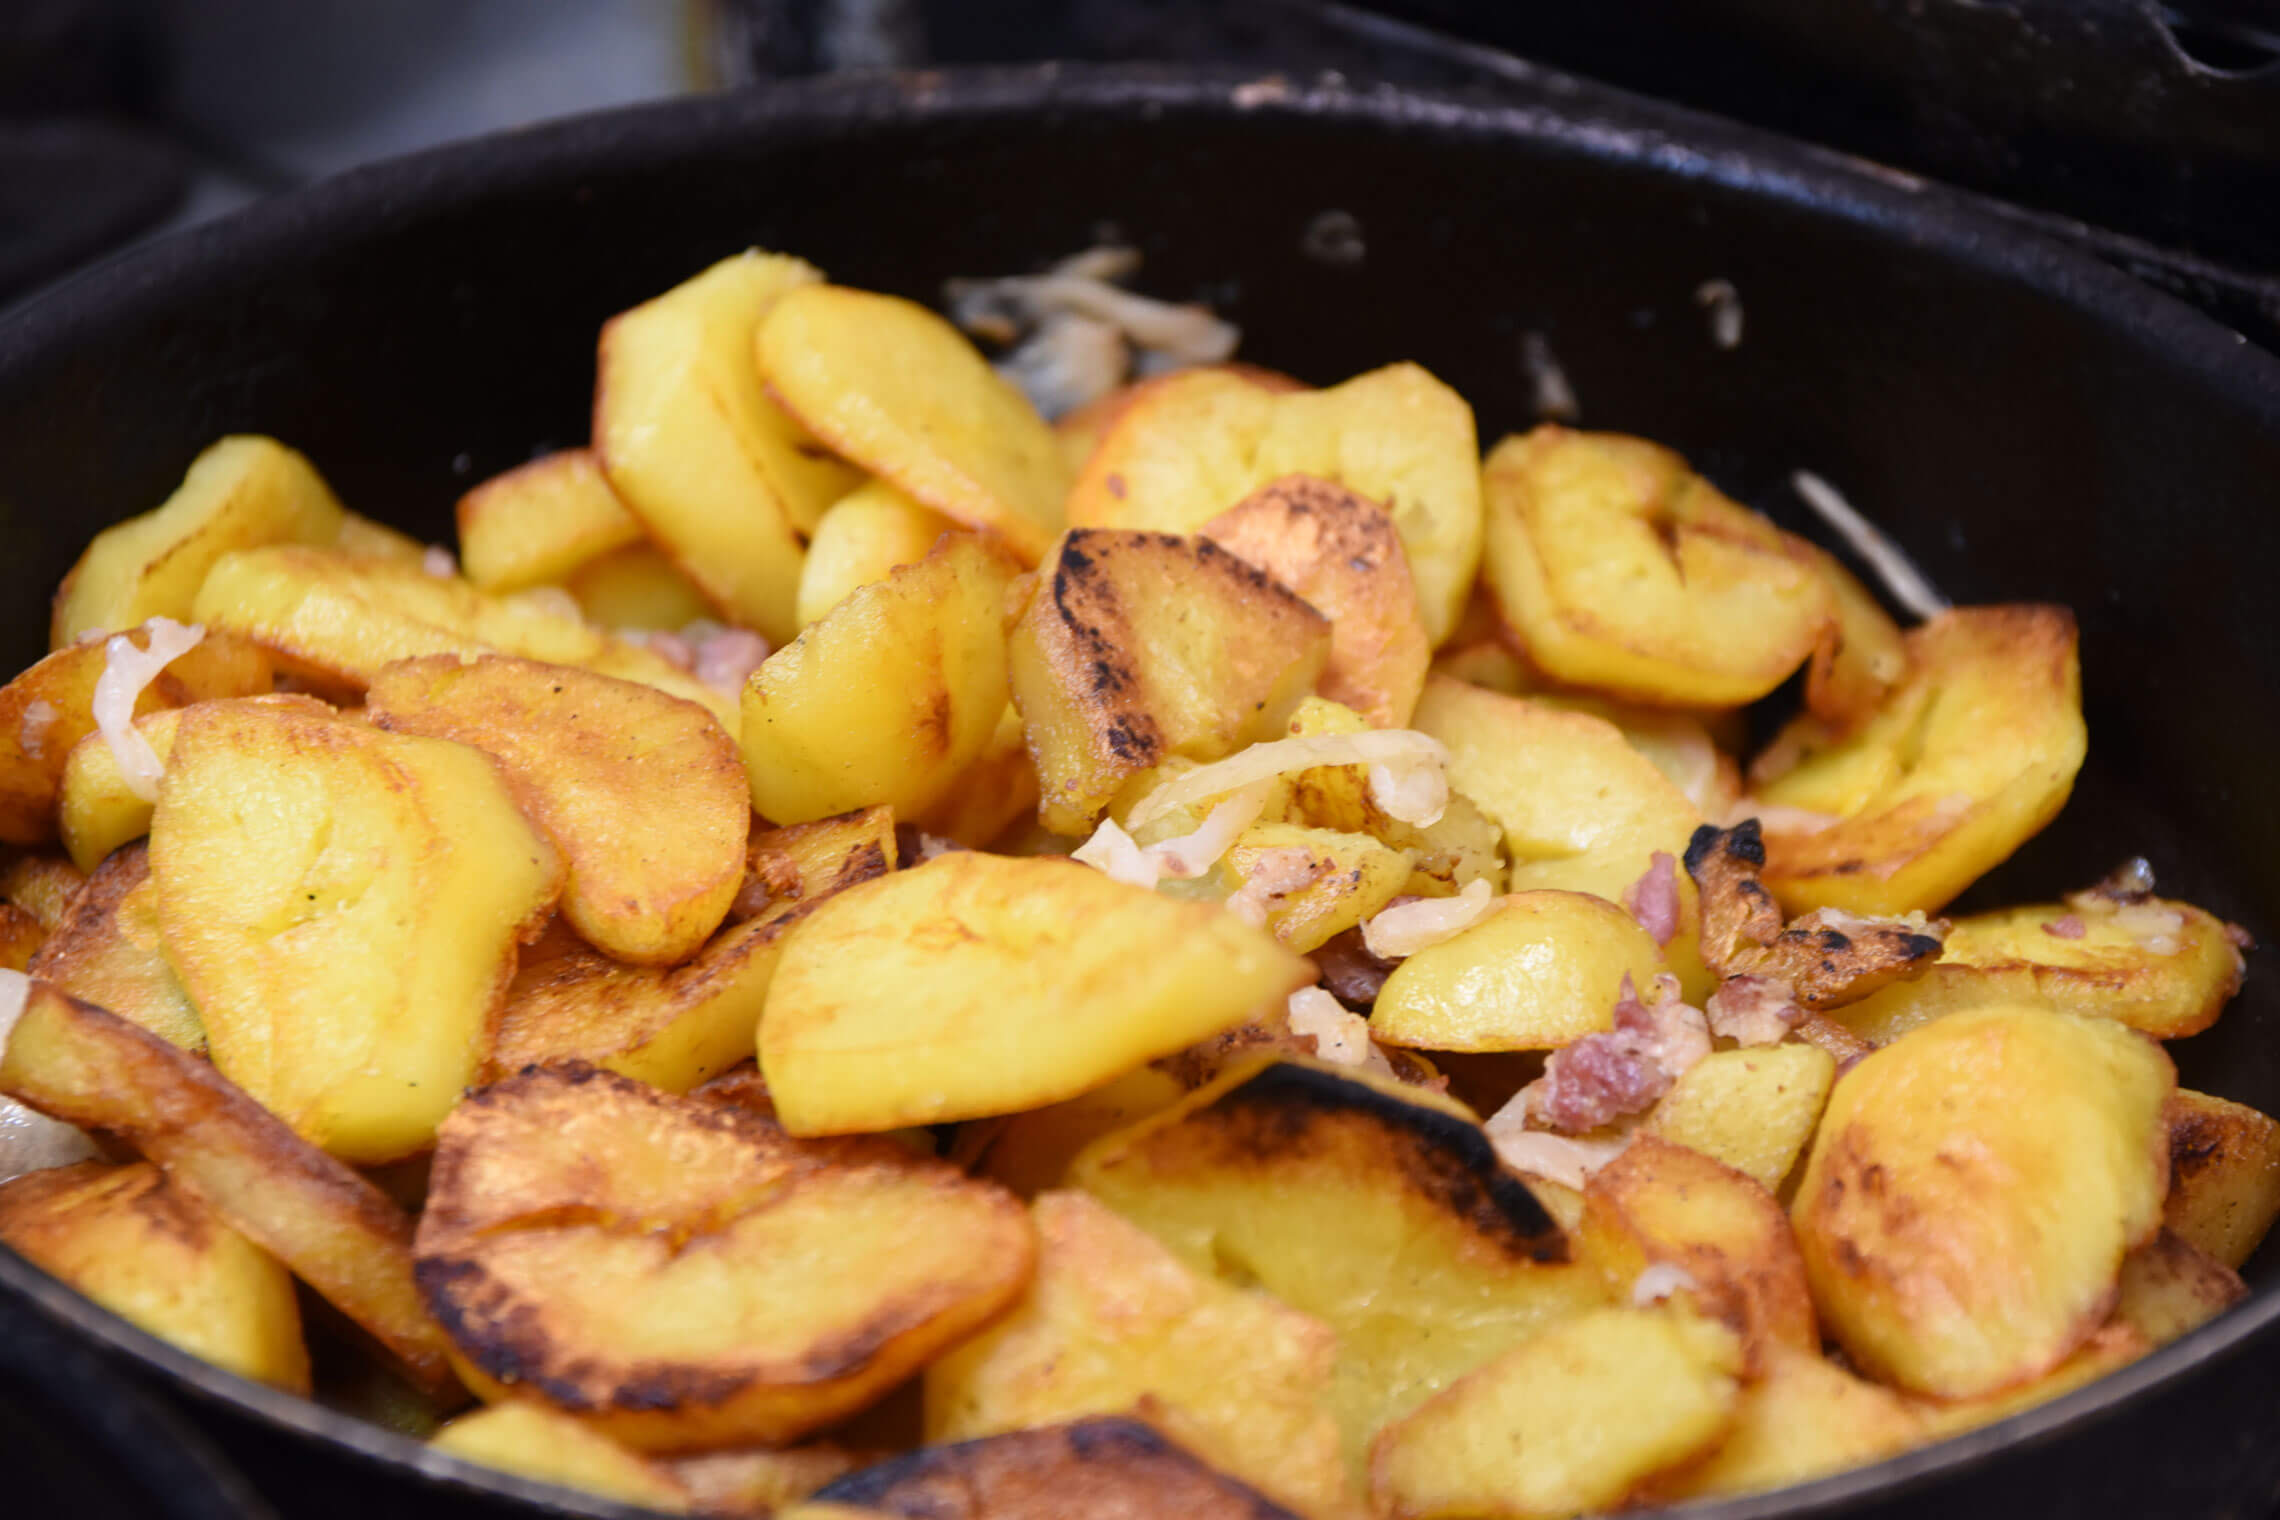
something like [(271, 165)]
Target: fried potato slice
[(724, 480), (536, 523), (336, 1231), (2112, 1347), (1965, 761), (1031, 1151), (889, 698), (1377, 1208), (43, 886), (996, 792), (241, 492), (1312, 884), (2170, 1287), (943, 992), (1114, 1322), (343, 907), (1972, 1190), (1139, 647), (1803, 1417), (20, 937), (1862, 656), (807, 862), (756, 1483), (47, 710), (108, 951), (159, 1258), (2224, 1175), (1541, 970), (1080, 431), (895, 388), (1751, 1109), (682, 1275), (636, 588), (1340, 552), (1201, 441), (1597, 1408), (1678, 743), (643, 794), (870, 531), (1105, 1468), (1624, 571), (1662, 1204), (532, 1441)]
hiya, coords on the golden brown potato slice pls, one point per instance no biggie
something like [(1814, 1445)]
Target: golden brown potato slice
[(1106, 1468), (1751, 1109), (20, 937), (1340, 552), (1571, 1421), (2113, 1347), (108, 951), (43, 886), (1965, 761), (870, 531), (722, 478), (1862, 656), (1080, 431), (2169, 1287), (1199, 442), (889, 698), (2224, 1175), (49, 708), (683, 1275), (1972, 1190), (1312, 884), (156, 1256), (1726, 1237), (637, 588), (337, 1232), (888, 384), (1031, 1151), (1138, 647), (997, 791), (806, 862), (536, 523), (532, 1441), (1114, 1322), (1375, 1207), (1803, 1417), (343, 907), (944, 991), (643, 794), (1624, 571), (1541, 970)]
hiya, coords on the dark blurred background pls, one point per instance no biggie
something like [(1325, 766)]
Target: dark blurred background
[(2147, 131)]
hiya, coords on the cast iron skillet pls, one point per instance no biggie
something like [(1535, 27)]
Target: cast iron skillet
[(2031, 425)]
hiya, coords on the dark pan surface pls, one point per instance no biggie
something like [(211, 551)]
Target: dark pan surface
[(2029, 424)]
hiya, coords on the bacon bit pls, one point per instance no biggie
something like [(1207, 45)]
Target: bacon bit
[(1833, 1037), (2069, 927), (1603, 1077), (1115, 485), (438, 562), (1653, 898), (725, 660), (2241, 938), (670, 647), (1275, 874), (1753, 1010), (1353, 975)]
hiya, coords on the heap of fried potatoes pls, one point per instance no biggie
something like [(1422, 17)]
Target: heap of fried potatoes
[(859, 952)]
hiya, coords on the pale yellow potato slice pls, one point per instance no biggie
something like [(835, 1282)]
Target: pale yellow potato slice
[(637, 587), (532, 1441), (1752, 1109), (870, 531), (537, 522), (1803, 1417)]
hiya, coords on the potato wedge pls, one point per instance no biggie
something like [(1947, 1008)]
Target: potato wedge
[(1862, 656), (1340, 552), (2170, 1287), (724, 480), (643, 794), (1624, 571), (1663, 1204), (889, 698), (1600, 1406), (1375, 1207), (870, 531), (2224, 1175), (1312, 884), (637, 588), (1751, 1109), (682, 1275), (1106, 1468), (1199, 442), (46, 711), (943, 992), (1964, 762), (108, 951), (534, 524), (532, 1441), (1541, 970), (1114, 1322), (336, 1231), (343, 907), (1802, 1418), (1140, 647), (1973, 1189), (158, 1257)]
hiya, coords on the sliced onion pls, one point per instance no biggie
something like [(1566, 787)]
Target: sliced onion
[(1118, 856), (1555, 1158), (1392, 747), (126, 671), (1659, 1281), (1891, 565), (1404, 930), (1338, 1035), (29, 1140)]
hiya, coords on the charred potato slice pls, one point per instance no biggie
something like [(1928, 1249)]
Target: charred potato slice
[(1113, 1322), (1377, 1208), (682, 1275), (1802, 1417), (158, 1257), (1139, 647), (1751, 1109), (1542, 970), (535, 524), (871, 531), (1973, 1189), (109, 951), (343, 907), (1573, 1420), (1965, 761), (532, 1441), (642, 793), (336, 1231), (2224, 1175)]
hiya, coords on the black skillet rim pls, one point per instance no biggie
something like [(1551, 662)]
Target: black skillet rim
[(1567, 116)]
